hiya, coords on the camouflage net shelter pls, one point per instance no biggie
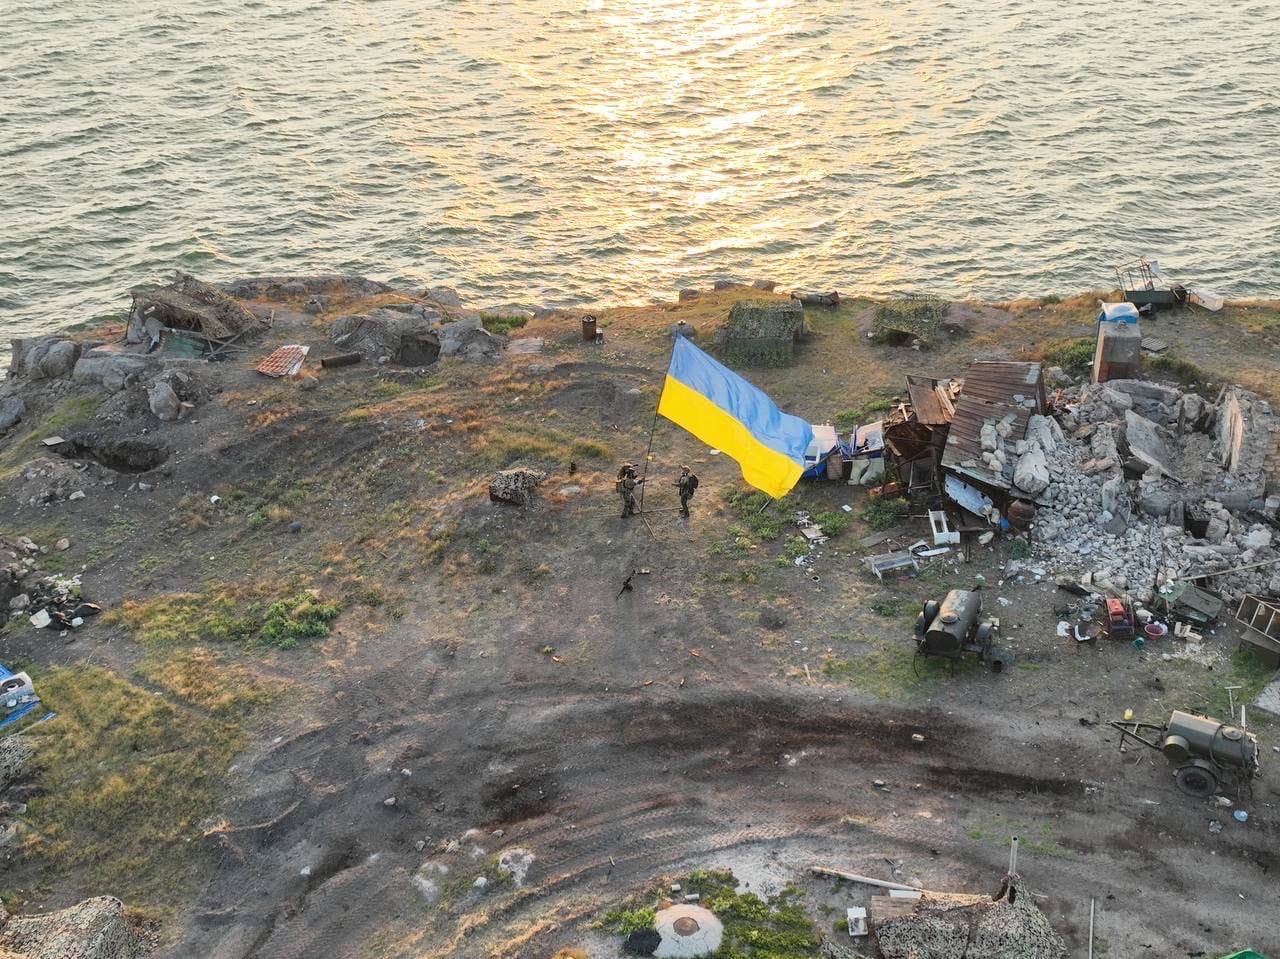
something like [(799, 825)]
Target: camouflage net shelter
[(192, 306), (970, 927), (93, 929), (917, 315), (763, 332)]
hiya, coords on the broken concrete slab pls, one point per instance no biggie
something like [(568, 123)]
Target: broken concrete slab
[(1146, 442), (1031, 474)]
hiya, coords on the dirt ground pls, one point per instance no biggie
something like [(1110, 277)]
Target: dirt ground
[(496, 683)]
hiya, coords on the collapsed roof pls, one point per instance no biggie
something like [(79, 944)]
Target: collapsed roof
[(191, 305)]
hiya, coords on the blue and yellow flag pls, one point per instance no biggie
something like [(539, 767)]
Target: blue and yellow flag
[(723, 410)]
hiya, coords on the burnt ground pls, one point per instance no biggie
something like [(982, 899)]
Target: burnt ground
[(620, 739)]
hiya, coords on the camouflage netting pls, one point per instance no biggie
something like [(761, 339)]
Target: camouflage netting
[(918, 315), (94, 929), (189, 304), (766, 319), (15, 753), (971, 927)]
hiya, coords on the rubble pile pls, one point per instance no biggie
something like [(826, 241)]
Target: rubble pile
[(1148, 484), (971, 927), (93, 929)]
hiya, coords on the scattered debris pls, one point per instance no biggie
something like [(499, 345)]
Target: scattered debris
[(284, 360)]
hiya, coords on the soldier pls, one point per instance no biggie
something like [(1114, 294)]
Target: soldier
[(687, 483), (626, 487)]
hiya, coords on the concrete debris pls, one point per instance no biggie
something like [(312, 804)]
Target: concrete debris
[(1143, 491), (93, 929), (1031, 474), (164, 402), (515, 485)]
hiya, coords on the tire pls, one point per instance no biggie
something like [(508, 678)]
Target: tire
[(1196, 781)]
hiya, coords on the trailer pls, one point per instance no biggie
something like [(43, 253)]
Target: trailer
[(1206, 753)]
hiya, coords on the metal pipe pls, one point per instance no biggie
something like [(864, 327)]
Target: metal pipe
[(1091, 927), (1013, 857)]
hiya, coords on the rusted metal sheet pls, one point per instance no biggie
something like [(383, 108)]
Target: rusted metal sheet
[(1000, 381), (963, 452), (285, 361), (931, 400)]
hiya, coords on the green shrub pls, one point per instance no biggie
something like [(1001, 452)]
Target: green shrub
[(1074, 355), (302, 617), (861, 415), (626, 921), (833, 522), (502, 325), (885, 513)]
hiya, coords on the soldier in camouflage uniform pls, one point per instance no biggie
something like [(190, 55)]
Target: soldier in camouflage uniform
[(626, 487), (686, 483)]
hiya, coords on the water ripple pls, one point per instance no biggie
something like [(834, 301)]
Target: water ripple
[(572, 152)]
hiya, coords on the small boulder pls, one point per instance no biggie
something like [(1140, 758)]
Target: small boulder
[(515, 485), (12, 409), (445, 296), (59, 359), (1031, 474), (164, 402)]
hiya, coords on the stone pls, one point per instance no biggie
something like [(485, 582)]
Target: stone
[(1031, 474), (1119, 402), (315, 306), (767, 285), (467, 337), (407, 339), (77, 495), (1258, 538), (445, 296), (687, 294), (63, 545), (12, 409), (1146, 442), (1112, 494), (1040, 429), (19, 602), (988, 436), (515, 485), (113, 371), (164, 402), (59, 359), (1216, 530)]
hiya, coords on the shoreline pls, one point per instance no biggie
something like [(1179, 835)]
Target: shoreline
[(345, 666)]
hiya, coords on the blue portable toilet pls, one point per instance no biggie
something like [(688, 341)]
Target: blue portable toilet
[(1117, 313)]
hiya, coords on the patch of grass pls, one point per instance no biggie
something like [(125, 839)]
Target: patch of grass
[(218, 615), (1034, 838), (502, 325), (833, 522), (888, 671), (762, 519), (795, 547), (887, 605), (625, 921), (127, 781), (1073, 354), (754, 928), (204, 678), (531, 443), (864, 414), (1184, 371), (1019, 548), (884, 513)]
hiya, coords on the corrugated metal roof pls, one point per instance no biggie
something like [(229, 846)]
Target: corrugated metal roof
[(999, 381), (931, 400), (990, 388)]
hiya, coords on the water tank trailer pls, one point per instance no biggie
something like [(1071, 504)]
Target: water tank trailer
[(954, 627), (1204, 752)]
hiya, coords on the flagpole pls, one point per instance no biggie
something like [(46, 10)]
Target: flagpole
[(648, 453)]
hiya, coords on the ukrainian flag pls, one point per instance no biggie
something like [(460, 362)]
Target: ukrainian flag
[(723, 410)]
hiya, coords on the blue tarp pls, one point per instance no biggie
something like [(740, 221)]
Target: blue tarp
[(8, 715)]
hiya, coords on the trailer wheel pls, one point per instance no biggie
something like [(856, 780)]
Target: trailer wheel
[(1196, 781)]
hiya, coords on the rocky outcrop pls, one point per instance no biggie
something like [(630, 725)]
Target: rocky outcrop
[(93, 929), (42, 357), (390, 336), (112, 369), (289, 287), (468, 339), (12, 409)]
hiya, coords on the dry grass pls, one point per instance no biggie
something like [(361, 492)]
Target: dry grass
[(127, 780), (210, 681)]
